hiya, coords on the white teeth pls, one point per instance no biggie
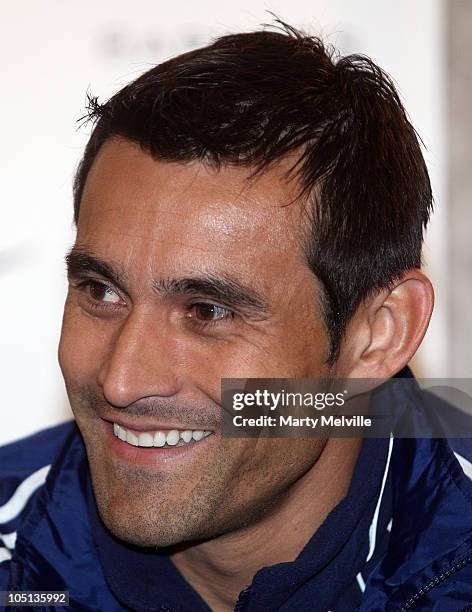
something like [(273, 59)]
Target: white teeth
[(186, 435), (158, 438), (146, 439), (131, 438), (172, 437)]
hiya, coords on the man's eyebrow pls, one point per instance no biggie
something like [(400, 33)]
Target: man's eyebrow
[(223, 289), (81, 263)]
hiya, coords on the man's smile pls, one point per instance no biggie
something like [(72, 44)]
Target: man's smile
[(159, 438), (151, 444)]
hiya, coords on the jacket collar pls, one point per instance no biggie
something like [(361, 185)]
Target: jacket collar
[(431, 529)]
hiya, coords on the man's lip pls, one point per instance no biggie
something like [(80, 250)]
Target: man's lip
[(143, 425)]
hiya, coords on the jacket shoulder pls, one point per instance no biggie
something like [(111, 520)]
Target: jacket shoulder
[(31, 452), (24, 466), (24, 457)]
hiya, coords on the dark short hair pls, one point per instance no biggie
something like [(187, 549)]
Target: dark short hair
[(252, 98)]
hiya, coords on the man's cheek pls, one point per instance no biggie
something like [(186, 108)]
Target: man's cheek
[(82, 349), (240, 357)]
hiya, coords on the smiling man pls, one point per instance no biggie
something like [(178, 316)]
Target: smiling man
[(254, 208)]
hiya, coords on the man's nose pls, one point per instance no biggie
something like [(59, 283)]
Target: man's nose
[(139, 363)]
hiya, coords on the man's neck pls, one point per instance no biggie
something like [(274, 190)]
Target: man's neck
[(220, 568)]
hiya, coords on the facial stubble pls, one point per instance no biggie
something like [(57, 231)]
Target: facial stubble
[(232, 486)]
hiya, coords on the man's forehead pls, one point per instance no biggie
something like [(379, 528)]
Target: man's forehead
[(161, 219), (127, 183)]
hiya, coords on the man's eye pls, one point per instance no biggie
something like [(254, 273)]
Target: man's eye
[(99, 292), (102, 293), (210, 313)]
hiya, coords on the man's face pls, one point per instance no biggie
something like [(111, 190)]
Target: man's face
[(182, 275)]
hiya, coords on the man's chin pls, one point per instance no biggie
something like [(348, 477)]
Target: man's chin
[(149, 520), (141, 528), (144, 538), (163, 525), (159, 509)]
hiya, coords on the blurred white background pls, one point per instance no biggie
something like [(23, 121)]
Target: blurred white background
[(54, 50)]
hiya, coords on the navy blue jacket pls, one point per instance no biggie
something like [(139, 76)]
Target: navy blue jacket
[(413, 551)]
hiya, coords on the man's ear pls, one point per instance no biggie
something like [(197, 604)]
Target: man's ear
[(387, 329)]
